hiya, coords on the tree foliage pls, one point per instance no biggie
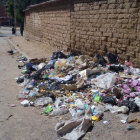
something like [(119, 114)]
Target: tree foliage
[(20, 5), (3, 2)]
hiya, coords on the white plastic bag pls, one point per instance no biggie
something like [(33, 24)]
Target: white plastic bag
[(43, 101), (25, 103), (79, 103), (137, 101), (59, 111), (105, 81)]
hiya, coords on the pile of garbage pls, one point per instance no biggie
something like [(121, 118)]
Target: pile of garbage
[(81, 85)]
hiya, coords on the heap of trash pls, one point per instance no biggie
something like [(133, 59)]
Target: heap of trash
[(81, 85)]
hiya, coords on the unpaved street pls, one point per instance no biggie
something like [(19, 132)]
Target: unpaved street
[(18, 123)]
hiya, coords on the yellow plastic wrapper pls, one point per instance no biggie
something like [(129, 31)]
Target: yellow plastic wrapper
[(95, 118)]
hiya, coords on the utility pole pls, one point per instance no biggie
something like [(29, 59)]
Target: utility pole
[(15, 15)]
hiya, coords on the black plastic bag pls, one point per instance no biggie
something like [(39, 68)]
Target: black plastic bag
[(11, 52), (116, 69), (113, 59), (20, 80), (130, 104), (109, 100), (100, 60), (72, 54), (57, 55)]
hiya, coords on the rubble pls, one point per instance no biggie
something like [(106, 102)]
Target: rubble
[(77, 83), (73, 129)]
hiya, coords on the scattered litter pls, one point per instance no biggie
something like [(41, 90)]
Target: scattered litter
[(105, 122), (78, 84), (59, 111), (95, 118), (9, 117), (123, 109), (122, 117), (137, 101), (47, 109), (105, 81), (85, 138), (13, 105), (130, 127), (43, 101), (25, 103), (11, 52), (123, 121)]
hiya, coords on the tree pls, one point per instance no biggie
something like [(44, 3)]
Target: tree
[(37, 1), (20, 5), (3, 2)]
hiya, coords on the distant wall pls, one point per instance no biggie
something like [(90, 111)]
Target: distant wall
[(88, 26), (49, 23)]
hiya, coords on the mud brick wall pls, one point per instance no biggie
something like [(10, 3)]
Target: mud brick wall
[(88, 26), (111, 24), (49, 23)]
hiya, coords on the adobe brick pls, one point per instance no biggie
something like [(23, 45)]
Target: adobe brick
[(104, 6), (107, 34), (112, 6), (96, 7), (104, 38), (112, 1), (133, 10), (112, 16)]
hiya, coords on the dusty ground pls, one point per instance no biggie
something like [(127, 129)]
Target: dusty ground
[(33, 49), (21, 123)]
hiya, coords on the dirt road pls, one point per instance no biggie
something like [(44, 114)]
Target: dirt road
[(18, 123)]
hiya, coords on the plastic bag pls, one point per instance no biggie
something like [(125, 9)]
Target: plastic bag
[(43, 101), (25, 103), (116, 68), (123, 109), (105, 81), (50, 64), (58, 103), (41, 65), (109, 100), (137, 101), (130, 104), (113, 59), (47, 109), (76, 113), (97, 98), (79, 104), (58, 54), (59, 111)]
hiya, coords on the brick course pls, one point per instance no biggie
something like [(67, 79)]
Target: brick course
[(88, 26), (49, 23)]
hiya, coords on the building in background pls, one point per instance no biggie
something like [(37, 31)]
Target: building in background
[(4, 19)]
